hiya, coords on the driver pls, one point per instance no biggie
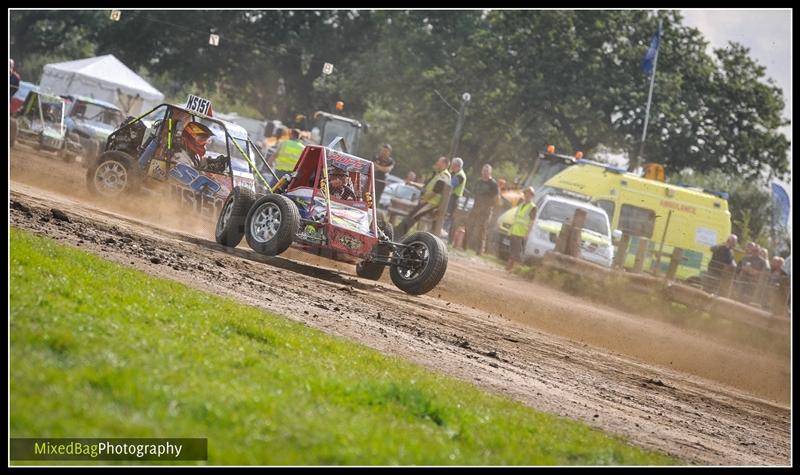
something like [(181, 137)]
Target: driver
[(195, 137), (340, 184)]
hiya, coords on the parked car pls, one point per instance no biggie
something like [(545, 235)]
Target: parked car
[(90, 122), (403, 196), (39, 123), (552, 212), (22, 93)]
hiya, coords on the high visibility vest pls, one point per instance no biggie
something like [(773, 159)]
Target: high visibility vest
[(287, 155), (522, 219), (459, 190), (436, 198)]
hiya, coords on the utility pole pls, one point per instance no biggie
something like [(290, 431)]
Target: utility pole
[(465, 98)]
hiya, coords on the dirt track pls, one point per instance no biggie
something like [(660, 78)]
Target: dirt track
[(707, 399)]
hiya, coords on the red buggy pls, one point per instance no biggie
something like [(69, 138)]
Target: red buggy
[(326, 207)]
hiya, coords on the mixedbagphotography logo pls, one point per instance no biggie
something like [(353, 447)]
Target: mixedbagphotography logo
[(108, 449)]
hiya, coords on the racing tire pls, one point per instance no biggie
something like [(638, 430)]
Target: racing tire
[(420, 280), (113, 174), (13, 133), (230, 223), (271, 224), (374, 270)]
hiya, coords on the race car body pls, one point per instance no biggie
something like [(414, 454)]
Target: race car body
[(180, 153), (326, 207)]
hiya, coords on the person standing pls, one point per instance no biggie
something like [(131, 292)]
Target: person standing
[(524, 215), (750, 268), (458, 182), (721, 258), (384, 163), (287, 154), (13, 78), (487, 196), (431, 197)]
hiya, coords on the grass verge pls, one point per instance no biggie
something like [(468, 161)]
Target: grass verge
[(101, 350)]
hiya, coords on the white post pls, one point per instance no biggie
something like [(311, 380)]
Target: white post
[(649, 100)]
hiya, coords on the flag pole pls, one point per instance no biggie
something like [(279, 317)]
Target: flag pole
[(649, 100)]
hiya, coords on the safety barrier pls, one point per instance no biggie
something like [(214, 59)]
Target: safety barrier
[(722, 292)]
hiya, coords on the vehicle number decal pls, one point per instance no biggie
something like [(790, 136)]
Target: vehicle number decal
[(198, 202), (199, 105)]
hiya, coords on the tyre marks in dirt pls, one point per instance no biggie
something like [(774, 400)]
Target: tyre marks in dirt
[(688, 417)]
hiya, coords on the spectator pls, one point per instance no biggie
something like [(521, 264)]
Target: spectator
[(431, 197), (764, 255), (287, 154), (776, 274), (13, 78), (776, 269), (458, 182), (487, 196), (721, 258), (748, 272), (411, 178), (523, 220), (384, 163)]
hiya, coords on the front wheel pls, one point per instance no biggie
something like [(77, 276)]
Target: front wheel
[(271, 224), (230, 224), (420, 264), (112, 174)]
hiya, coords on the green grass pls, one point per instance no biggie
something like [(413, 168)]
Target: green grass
[(101, 350)]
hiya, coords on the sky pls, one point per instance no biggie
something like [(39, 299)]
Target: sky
[(768, 34)]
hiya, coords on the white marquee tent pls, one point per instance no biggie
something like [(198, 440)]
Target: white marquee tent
[(105, 78)]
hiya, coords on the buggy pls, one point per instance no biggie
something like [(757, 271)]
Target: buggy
[(326, 207), (150, 154), (40, 123)]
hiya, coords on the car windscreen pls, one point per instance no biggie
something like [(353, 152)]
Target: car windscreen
[(48, 109), (547, 169), (88, 111), (564, 212)]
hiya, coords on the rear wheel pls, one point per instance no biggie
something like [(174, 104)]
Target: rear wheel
[(230, 223), (422, 263), (112, 174), (271, 224), (374, 270)]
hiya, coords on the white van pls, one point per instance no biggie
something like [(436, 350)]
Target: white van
[(552, 212)]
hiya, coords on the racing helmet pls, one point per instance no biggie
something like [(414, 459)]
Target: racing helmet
[(336, 173), (195, 137)]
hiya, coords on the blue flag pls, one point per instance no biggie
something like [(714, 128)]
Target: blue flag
[(781, 202), (650, 56)]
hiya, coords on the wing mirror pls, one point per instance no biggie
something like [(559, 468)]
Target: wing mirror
[(616, 236)]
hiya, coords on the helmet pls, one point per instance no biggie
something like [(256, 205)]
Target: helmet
[(195, 137)]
